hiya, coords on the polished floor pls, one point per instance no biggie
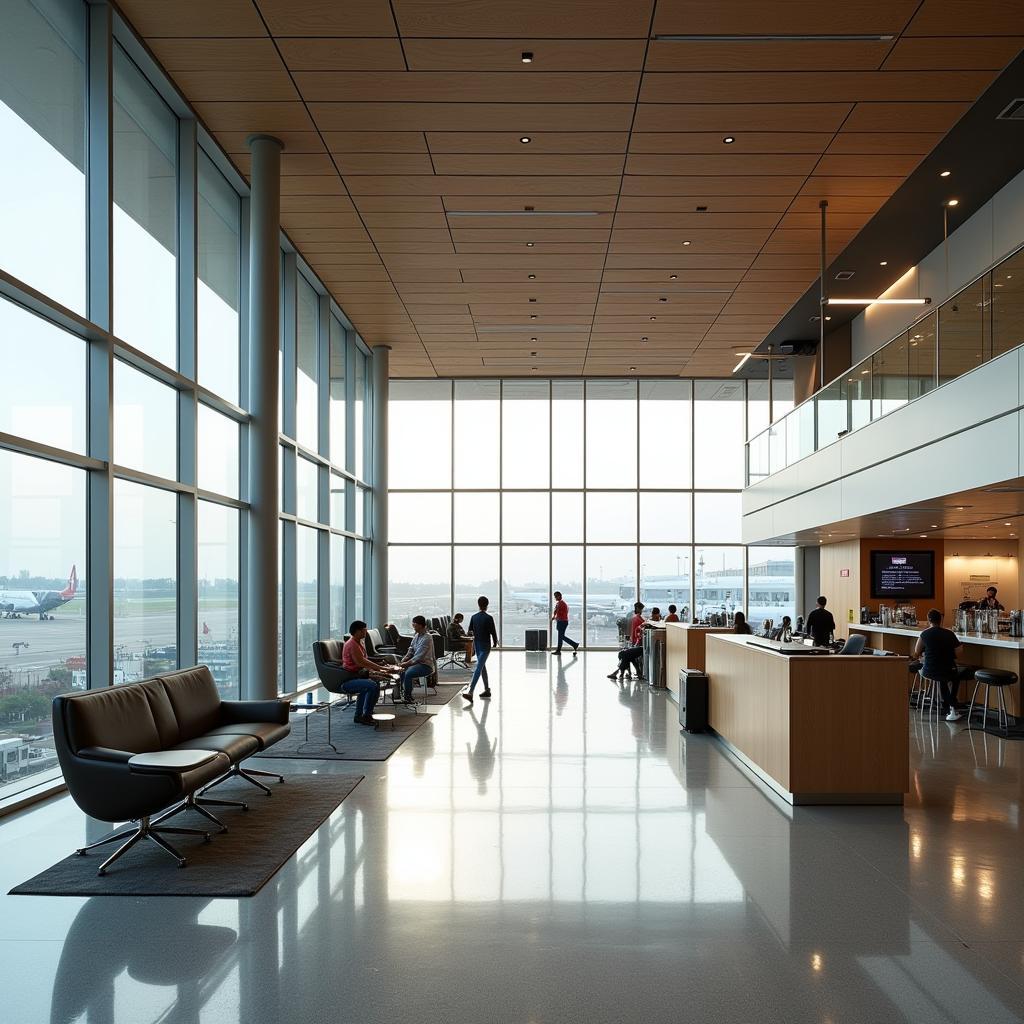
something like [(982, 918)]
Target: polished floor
[(563, 854)]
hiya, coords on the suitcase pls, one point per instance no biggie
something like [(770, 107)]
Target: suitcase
[(536, 639)]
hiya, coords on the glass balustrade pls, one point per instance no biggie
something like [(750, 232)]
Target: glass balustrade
[(983, 320)]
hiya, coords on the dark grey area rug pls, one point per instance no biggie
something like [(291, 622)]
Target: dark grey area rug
[(354, 742), (447, 691), (238, 862)]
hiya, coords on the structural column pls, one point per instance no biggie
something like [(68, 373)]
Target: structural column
[(263, 555), (379, 525)]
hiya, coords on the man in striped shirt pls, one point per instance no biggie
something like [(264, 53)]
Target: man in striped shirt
[(419, 659)]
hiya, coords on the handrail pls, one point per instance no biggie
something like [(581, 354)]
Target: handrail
[(967, 330)]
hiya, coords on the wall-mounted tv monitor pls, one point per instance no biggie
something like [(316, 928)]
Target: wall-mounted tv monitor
[(902, 575)]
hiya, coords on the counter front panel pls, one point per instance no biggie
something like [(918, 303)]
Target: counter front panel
[(816, 728)]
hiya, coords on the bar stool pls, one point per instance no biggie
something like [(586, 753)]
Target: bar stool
[(989, 677), (930, 694)]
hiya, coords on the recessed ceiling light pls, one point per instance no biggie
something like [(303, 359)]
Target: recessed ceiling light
[(944, 174), (935, 526), (533, 353), (533, 339), (686, 241), (953, 202), (531, 300), (533, 316), (1007, 524), (644, 338), (532, 277), (632, 369), (529, 245), (654, 318), (524, 139), (527, 57), (884, 263), (673, 277), (661, 298), (729, 140)]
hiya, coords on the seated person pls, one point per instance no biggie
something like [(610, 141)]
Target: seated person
[(419, 661), (655, 615), (937, 648), (364, 675), (456, 634), (629, 657), (783, 632), (672, 614), (740, 624)]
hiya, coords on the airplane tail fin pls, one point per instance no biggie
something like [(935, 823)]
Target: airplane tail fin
[(72, 588)]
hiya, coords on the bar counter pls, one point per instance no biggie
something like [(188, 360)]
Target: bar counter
[(816, 728), (983, 650), (685, 645)]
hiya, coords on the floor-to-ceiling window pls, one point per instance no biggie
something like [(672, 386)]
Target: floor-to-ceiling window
[(123, 403), (607, 490)]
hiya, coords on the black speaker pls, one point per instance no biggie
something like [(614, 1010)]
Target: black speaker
[(693, 700)]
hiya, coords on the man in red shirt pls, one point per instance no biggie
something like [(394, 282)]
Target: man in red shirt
[(560, 617), (364, 675)]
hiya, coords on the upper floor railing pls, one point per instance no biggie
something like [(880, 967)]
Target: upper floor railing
[(982, 321)]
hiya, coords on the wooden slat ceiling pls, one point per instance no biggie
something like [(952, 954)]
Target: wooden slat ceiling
[(407, 189)]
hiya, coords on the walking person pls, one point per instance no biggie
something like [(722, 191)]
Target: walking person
[(560, 617), (484, 632)]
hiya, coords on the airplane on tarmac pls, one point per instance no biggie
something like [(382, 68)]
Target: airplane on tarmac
[(15, 603)]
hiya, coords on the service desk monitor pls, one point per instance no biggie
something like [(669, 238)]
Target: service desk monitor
[(817, 729)]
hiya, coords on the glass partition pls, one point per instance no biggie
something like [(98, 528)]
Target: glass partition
[(833, 412), (980, 322), (889, 370)]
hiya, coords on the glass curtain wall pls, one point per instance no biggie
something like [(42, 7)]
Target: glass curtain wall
[(607, 490), (144, 524)]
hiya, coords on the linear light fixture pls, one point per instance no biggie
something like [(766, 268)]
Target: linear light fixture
[(878, 302), (741, 363), (825, 37), (522, 213)]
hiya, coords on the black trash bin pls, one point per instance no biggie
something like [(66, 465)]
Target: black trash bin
[(693, 699)]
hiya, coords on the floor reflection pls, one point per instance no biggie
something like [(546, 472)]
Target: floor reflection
[(563, 852)]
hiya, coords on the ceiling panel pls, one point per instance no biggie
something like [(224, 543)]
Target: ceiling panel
[(408, 188), (328, 18), (504, 54), (752, 17), (727, 55), (824, 86), (455, 86), (598, 19), (306, 54)]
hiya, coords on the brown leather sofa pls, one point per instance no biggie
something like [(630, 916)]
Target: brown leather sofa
[(130, 752)]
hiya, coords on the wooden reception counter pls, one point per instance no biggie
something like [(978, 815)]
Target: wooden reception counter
[(818, 729), (685, 647)]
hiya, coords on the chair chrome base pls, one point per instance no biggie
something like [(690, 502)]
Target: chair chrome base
[(453, 662), (237, 771), (199, 803), (146, 829)]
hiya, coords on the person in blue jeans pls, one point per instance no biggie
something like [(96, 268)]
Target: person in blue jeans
[(483, 630), (419, 660)]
